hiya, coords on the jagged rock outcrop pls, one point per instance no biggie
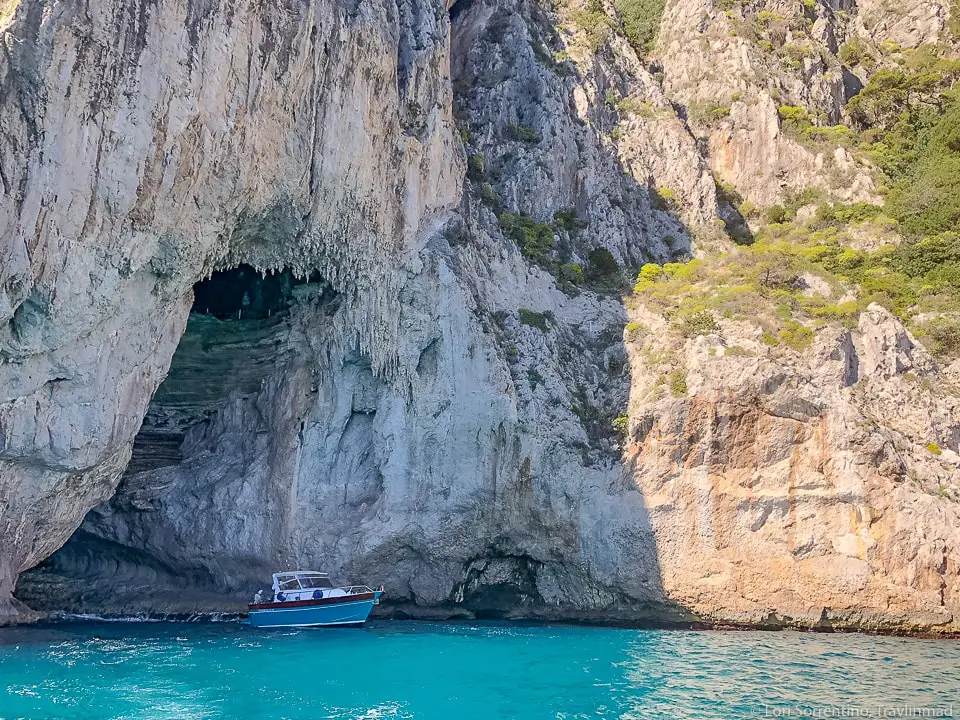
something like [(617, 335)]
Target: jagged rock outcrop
[(731, 65)]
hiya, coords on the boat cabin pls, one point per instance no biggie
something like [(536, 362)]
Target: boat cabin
[(304, 585)]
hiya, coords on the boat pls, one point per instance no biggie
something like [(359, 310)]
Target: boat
[(306, 598)]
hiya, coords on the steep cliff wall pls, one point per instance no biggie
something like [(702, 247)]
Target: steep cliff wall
[(789, 486), (479, 472), (145, 145), (443, 382)]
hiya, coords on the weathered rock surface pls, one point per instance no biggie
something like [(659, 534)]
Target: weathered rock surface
[(477, 473), (146, 144), (731, 65), (799, 489)]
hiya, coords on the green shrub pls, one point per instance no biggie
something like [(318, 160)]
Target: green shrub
[(917, 259), (910, 96), (634, 330), (632, 105), (649, 274), (572, 273), (602, 263), (640, 20), (888, 47), (534, 378), (765, 18), (927, 200), (602, 269), (667, 195), (796, 336), (523, 134), (540, 321), (796, 52), (678, 382), (794, 118), (568, 220), (699, 323), (620, 424), (535, 239), (834, 134), (489, 196), (594, 24), (682, 272), (853, 214), (854, 51), (942, 336), (475, 166), (775, 214), (934, 448), (707, 113)]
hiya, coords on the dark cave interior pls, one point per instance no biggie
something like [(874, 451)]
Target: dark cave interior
[(244, 293)]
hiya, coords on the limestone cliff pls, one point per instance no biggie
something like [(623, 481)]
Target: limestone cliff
[(147, 144), (798, 487), (345, 285)]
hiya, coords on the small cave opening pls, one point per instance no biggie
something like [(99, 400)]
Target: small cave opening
[(236, 335), (244, 292)]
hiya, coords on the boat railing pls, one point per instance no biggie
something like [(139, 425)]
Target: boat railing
[(357, 589)]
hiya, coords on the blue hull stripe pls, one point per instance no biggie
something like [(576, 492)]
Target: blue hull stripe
[(345, 613)]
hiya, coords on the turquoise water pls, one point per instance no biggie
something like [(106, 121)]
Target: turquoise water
[(144, 671)]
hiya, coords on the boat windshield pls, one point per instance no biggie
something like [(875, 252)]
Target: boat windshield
[(289, 583), (301, 581), (314, 581)]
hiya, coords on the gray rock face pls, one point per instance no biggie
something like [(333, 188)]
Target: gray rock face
[(144, 146), (433, 487), (475, 472)]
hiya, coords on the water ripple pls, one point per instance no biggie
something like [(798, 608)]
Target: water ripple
[(159, 671)]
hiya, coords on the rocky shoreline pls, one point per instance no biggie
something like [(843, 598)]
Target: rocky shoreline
[(439, 615)]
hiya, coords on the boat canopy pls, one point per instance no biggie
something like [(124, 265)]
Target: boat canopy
[(300, 580)]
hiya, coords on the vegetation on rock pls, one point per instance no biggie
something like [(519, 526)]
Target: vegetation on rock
[(540, 321), (534, 238), (640, 20)]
